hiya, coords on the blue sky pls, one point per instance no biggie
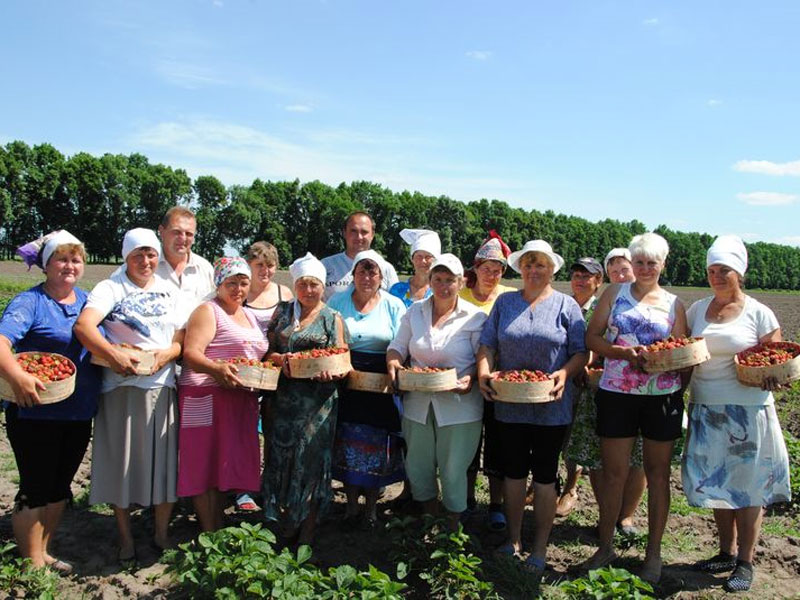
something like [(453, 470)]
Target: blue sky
[(684, 113)]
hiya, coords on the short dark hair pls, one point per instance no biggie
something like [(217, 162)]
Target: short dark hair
[(359, 213), (176, 211)]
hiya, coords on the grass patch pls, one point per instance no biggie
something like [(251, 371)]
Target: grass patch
[(679, 505), (781, 527), (680, 543)]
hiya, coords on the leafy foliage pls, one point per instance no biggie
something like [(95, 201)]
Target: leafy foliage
[(20, 580), (793, 448), (606, 583), (240, 562)]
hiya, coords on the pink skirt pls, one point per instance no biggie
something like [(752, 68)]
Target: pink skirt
[(218, 440)]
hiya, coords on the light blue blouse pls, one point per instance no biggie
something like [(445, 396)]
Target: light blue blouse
[(373, 331)]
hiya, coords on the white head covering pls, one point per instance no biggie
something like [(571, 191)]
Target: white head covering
[(728, 250), (614, 253), (450, 262), (536, 246), (140, 238), (58, 239), (374, 257), (308, 266), (422, 239)]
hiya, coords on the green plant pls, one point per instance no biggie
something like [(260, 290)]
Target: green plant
[(241, 562), (793, 448), (20, 580), (607, 582)]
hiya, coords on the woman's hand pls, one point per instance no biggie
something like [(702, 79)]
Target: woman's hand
[(284, 361), (559, 383), (225, 374), (463, 385), (327, 376), (635, 355), (770, 384), (485, 385), (122, 363), (582, 378), (26, 389), (393, 366), (161, 358)]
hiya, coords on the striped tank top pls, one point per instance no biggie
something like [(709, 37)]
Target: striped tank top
[(231, 340)]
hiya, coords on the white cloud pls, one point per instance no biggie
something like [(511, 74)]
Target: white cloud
[(767, 198), (652, 21), (789, 240), (186, 75), (479, 54), (766, 167), (300, 108), (713, 103)]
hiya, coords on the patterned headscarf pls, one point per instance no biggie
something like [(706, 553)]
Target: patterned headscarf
[(493, 248), (228, 266)]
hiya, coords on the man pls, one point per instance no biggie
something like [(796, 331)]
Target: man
[(358, 232), (191, 274)]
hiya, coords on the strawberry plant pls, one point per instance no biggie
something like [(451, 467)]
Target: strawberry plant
[(19, 580), (607, 583)]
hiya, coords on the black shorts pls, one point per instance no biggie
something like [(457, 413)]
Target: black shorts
[(658, 418), (48, 454), (490, 445), (531, 449)]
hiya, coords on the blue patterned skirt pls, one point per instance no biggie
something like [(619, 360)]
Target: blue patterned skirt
[(367, 456), (735, 457)]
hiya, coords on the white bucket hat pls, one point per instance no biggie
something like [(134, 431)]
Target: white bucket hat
[(535, 246)]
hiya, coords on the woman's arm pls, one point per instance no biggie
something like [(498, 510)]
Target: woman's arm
[(164, 356), (595, 331), (572, 367), (485, 365), (200, 330), (770, 383), (26, 387), (680, 328), (89, 335)]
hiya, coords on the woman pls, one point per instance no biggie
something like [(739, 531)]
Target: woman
[(534, 328), (618, 265), (425, 247), (262, 300), (48, 441), (135, 447), (584, 445), (367, 451), (482, 289), (297, 477), (441, 429), (630, 401), (735, 459), (218, 447)]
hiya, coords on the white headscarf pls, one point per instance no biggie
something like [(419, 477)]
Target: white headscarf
[(422, 239), (140, 238), (728, 250), (374, 257), (308, 266), (58, 239)]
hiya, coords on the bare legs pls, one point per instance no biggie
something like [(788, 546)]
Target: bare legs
[(353, 492), (632, 493), (33, 530), (127, 548), (657, 456), (739, 528), (209, 507)]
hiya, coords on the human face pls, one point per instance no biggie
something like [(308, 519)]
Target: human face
[(422, 261), (583, 283), (234, 289), (177, 237), (358, 234), (537, 270), (445, 285), (723, 279), (620, 270), (489, 273), (141, 265), (646, 270), (64, 268), (308, 291), (367, 277), (262, 271)]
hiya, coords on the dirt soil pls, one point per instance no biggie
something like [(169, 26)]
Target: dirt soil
[(87, 537)]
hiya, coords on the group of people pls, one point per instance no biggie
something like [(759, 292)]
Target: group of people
[(187, 425)]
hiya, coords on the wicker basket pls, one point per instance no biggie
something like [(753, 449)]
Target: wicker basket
[(147, 359), (523, 392), (677, 358), (55, 391), (783, 373), (437, 381), (258, 378), (306, 368), (364, 381)]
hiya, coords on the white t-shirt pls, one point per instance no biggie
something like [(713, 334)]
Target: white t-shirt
[(339, 269), (144, 318), (454, 344), (714, 381)]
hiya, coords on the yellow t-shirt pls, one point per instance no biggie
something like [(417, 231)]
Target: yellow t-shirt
[(486, 305)]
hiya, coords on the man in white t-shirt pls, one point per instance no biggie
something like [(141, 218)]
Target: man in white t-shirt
[(191, 274), (358, 232)]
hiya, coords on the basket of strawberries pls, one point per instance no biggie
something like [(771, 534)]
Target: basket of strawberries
[(523, 386), (778, 360), (147, 358), (310, 363), (674, 353), (55, 371), (366, 381), (254, 373), (427, 379)]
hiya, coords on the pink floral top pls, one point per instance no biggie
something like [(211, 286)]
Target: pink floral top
[(632, 323)]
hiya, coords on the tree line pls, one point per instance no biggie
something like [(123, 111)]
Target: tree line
[(99, 198)]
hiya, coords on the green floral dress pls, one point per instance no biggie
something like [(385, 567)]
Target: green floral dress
[(297, 475)]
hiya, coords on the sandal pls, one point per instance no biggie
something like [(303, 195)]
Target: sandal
[(127, 562), (61, 567), (627, 531), (535, 566), (741, 579), (720, 563), (496, 521), (507, 549), (245, 503)]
